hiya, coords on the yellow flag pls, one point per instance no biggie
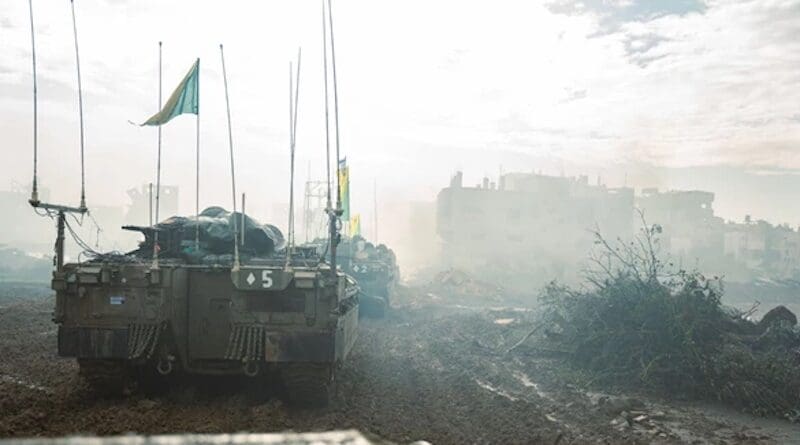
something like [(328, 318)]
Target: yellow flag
[(355, 225), (344, 188)]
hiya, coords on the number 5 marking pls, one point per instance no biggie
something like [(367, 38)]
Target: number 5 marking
[(266, 279)]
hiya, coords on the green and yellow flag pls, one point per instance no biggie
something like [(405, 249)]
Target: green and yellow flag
[(184, 100), (344, 188), (355, 225)]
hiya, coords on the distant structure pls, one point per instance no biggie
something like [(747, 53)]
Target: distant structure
[(142, 203), (690, 229), (23, 229), (314, 217), (761, 250), (538, 228), (19, 226), (527, 221)]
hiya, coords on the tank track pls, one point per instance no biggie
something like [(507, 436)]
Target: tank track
[(104, 377), (309, 385)]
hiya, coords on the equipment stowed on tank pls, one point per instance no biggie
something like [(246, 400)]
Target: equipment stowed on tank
[(197, 314)]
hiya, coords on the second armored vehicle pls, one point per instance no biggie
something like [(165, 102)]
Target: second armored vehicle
[(373, 267)]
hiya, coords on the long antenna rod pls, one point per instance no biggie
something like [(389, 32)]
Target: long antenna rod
[(335, 109), (296, 98), (233, 172), (244, 198), (80, 104), (327, 119), (158, 167), (291, 167), (35, 187), (294, 137), (150, 201), (294, 95)]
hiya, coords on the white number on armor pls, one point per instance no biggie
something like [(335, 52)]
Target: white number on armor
[(266, 279)]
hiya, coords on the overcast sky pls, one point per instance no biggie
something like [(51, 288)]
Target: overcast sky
[(426, 87)]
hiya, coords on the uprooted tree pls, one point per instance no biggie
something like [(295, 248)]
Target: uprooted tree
[(641, 321)]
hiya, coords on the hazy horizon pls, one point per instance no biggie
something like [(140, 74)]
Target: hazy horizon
[(681, 95)]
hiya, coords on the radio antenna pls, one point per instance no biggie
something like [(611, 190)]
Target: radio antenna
[(294, 95), (158, 168), (233, 171), (59, 210), (327, 119), (335, 110), (80, 104), (35, 186)]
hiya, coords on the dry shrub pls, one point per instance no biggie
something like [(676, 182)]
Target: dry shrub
[(640, 322)]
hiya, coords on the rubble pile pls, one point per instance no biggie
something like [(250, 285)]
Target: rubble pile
[(461, 284), (638, 323)]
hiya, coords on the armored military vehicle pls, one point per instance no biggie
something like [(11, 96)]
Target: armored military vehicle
[(186, 300), (198, 313), (373, 267)]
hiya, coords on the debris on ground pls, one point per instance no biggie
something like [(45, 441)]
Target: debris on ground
[(459, 283)]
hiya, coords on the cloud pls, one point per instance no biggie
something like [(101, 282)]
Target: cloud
[(612, 14), (575, 94), (642, 50)]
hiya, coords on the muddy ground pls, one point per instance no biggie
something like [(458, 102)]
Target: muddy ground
[(437, 369)]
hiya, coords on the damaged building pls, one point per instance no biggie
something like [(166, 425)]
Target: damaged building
[(528, 222), (535, 228), (691, 231)]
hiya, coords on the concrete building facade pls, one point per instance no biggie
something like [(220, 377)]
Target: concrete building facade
[(537, 223), (542, 228)]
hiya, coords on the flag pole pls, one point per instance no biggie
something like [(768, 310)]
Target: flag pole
[(150, 203), (197, 167), (158, 167), (233, 171)]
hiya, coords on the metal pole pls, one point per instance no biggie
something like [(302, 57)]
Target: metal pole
[(233, 170), (80, 104), (150, 201), (293, 106), (375, 207), (60, 241), (35, 187), (158, 167), (306, 205), (243, 218), (335, 109), (197, 167), (327, 119), (291, 168), (296, 98)]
